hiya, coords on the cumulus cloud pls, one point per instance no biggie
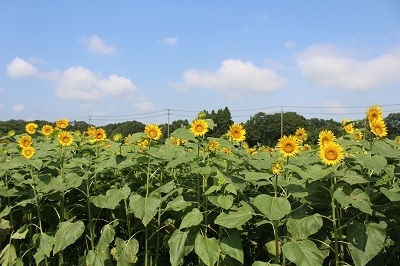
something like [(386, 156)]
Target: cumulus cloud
[(144, 106), (290, 45), (79, 83), (168, 41), (334, 107), (234, 77), (95, 45), (17, 108), (19, 68), (327, 67)]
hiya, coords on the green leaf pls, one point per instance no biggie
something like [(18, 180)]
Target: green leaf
[(194, 217), (144, 208), (44, 245), (262, 263), (225, 201), (178, 247), (102, 251), (207, 249), (233, 219), (67, 234), (21, 232), (357, 198), (37, 163), (112, 198), (375, 163), (365, 240), (392, 195), (274, 208), (5, 211), (232, 246), (125, 252), (8, 255), (303, 253), (178, 204), (301, 228), (256, 176), (351, 177)]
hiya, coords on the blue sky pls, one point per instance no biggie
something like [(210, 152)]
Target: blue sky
[(113, 61)]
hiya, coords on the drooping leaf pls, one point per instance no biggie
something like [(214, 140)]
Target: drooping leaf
[(5, 211), (392, 195), (274, 208), (21, 232), (112, 198), (101, 255), (303, 253), (67, 234), (365, 241), (225, 201), (375, 163), (144, 208), (125, 251), (8, 255), (178, 204), (207, 249), (357, 198), (44, 245), (194, 217), (233, 219), (301, 228), (178, 247), (232, 246), (262, 263)]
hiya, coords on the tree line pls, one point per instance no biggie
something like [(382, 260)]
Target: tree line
[(261, 129)]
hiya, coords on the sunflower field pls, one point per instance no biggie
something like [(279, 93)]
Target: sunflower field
[(73, 198)]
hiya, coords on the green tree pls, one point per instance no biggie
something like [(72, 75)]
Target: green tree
[(222, 119), (392, 122)]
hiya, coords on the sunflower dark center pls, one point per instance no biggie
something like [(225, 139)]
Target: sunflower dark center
[(331, 154), (288, 147), (199, 128)]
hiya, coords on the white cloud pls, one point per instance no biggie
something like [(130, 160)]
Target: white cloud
[(117, 86), (17, 108), (325, 66), (170, 41), (19, 68), (234, 77), (334, 107), (79, 83), (94, 44), (144, 106)]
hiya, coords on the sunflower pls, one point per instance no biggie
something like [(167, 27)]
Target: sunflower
[(236, 132), (199, 127), (117, 137), (306, 147), (11, 133), (152, 131), (65, 138), (331, 153), (31, 128), (99, 134), (288, 146), (359, 135), (276, 168), (226, 151), (25, 141), (47, 130), (28, 152), (62, 123), (348, 127), (374, 112), (378, 127), (213, 145), (301, 134), (143, 144), (325, 136)]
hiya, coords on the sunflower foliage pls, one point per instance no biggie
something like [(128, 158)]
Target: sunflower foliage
[(92, 199)]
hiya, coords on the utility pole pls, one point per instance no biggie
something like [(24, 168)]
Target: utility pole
[(281, 121), (168, 114)]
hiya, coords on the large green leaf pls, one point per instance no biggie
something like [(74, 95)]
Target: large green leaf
[(274, 208), (301, 228), (207, 249), (112, 198), (67, 234), (8, 255), (20, 233), (233, 219), (232, 246), (101, 255), (303, 253), (225, 201), (180, 244), (178, 204), (44, 244), (262, 263), (365, 241), (144, 208), (194, 217), (392, 195), (375, 163), (125, 252), (357, 198)]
